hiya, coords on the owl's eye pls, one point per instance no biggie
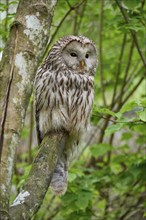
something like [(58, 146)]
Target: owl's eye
[(73, 54), (87, 55)]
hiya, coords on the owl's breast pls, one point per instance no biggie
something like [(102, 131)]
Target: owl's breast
[(80, 94), (65, 101)]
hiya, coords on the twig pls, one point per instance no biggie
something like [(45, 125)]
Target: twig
[(68, 3), (118, 69), (126, 73), (115, 121), (77, 23), (133, 90), (82, 14), (116, 108), (132, 74), (100, 51), (119, 3), (60, 24), (140, 200)]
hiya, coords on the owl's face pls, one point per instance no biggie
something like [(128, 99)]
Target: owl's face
[(80, 57)]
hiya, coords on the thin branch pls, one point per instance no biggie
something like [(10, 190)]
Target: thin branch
[(126, 73), (127, 84), (133, 206), (68, 3), (60, 24), (133, 90), (118, 69), (77, 24), (82, 15), (109, 118), (132, 74), (100, 51), (123, 11)]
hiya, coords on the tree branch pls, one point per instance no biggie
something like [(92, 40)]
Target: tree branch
[(134, 89), (126, 72), (24, 49), (118, 69), (132, 76), (100, 51), (119, 3), (31, 196), (60, 24)]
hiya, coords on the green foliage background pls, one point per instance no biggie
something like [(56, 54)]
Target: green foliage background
[(108, 182)]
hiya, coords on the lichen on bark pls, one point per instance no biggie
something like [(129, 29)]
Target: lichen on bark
[(30, 198), (18, 66)]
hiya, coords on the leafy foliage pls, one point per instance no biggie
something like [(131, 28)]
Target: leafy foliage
[(108, 182)]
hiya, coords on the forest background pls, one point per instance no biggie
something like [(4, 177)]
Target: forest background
[(108, 180)]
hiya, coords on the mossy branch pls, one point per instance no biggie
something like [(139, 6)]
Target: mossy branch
[(27, 40), (31, 196)]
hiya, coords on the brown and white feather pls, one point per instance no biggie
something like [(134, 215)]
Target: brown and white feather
[(64, 98)]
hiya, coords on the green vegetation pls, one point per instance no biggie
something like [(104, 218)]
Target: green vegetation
[(108, 182)]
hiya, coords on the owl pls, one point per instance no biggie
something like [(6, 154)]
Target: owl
[(64, 92)]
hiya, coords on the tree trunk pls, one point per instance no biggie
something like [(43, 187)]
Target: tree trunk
[(28, 37)]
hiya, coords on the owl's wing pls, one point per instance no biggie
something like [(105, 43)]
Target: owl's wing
[(37, 127), (37, 122), (37, 102)]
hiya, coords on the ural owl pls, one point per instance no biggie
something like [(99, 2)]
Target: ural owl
[(64, 92)]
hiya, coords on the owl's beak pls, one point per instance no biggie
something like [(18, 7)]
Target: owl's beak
[(82, 64)]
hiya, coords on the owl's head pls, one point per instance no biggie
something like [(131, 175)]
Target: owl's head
[(77, 53)]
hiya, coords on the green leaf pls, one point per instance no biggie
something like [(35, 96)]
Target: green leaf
[(128, 106), (113, 128), (142, 115), (83, 199), (115, 168), (101, 204), (131, 3), (100, 149), (71, 177), (126, 136), (106, 111)]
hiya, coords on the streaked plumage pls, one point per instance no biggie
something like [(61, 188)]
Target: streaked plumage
[(64, 92)]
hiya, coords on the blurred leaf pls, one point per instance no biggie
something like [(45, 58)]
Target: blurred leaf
[(128, 106), (106, 111), (131, 3), (116, 168), (142, 115), (71, 176), (100, 149), (126, 136), (83, 199), (114, 128), (25, 133)]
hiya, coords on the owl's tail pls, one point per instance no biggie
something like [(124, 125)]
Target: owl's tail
[(59, 179)]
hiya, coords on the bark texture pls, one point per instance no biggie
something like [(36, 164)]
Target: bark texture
[(30, 198), (28, 37)]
